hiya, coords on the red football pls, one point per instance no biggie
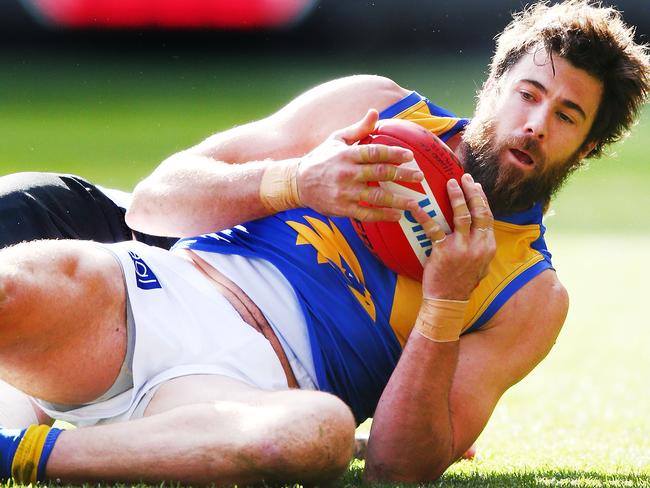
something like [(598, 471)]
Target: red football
[(403, 245)]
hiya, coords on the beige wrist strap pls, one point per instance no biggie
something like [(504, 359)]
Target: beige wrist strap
[(279, 186), (441, 320)]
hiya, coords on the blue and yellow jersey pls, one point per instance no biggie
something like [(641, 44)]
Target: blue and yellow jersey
[(358, 312), (521, 250)]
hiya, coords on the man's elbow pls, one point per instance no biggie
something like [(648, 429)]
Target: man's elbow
[(136, 214), (146, 207), (391, 471)]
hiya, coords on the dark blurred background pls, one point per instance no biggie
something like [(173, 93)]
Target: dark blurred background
[(327, 25)]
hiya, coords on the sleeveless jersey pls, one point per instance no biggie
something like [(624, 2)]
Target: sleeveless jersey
[(358, 312)]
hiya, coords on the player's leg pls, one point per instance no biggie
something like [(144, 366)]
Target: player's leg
[(212, 429), (54, 206), (62, 320), (62, 336), (59, 206), (207, 440)]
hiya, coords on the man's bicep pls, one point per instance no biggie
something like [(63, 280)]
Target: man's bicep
[(305, 122), (254, 141), (492, 360)]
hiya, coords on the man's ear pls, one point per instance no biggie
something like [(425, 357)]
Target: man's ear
[(586, 150), (489, 85)]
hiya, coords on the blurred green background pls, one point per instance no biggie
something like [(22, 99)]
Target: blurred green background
[(113, 117)]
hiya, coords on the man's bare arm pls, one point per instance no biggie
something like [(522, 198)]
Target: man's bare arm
[(441, 395), (507, 350), (216, 183), (427, 427)]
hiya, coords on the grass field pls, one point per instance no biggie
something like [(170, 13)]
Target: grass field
[(580, 419)]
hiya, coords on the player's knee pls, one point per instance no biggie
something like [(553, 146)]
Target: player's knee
[(29, 266), (14, 297), (40, 280)]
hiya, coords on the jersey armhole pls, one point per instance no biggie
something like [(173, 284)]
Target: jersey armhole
[(509, 290)]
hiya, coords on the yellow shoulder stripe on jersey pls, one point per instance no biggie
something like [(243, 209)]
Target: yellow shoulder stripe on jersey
[(420, 114)]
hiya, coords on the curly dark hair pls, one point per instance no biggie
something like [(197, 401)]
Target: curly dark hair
[(593, 38)]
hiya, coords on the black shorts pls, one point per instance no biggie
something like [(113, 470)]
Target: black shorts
[(56, 206)]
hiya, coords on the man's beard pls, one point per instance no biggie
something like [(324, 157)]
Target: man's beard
[(509, 188)]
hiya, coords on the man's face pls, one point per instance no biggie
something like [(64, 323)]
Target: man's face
[(529, 130)]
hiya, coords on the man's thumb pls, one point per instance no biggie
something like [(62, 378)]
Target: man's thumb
[(360, 129)]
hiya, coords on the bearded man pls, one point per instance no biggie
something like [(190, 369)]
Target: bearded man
[(207, 360)]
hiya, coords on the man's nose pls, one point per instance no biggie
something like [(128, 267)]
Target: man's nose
[(536, 124)]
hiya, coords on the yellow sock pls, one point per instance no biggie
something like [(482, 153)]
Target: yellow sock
[(28, 460)]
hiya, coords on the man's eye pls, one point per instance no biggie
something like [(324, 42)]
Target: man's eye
[(564, 117), (526, 96)]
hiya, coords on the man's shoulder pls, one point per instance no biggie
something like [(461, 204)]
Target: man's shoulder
[(377, 91), (526, 328), (371, 82), (538, 308), (310, 118), (547, 289)]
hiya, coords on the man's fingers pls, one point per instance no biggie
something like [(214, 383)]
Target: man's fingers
[(388, 172), (490, 215), (358, 130), (434, 232), (431, 228), (462, 216), (380, 153), (481, 215), (370, 172), (476, 201), (381, 197), (375, 214)]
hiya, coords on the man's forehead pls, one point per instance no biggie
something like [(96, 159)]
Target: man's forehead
[(560, 78)]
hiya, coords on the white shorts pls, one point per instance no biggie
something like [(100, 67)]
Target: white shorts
[(182, 326)]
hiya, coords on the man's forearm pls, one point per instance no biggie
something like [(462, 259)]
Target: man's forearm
[(201, 190), (190, 194), (412, 436)]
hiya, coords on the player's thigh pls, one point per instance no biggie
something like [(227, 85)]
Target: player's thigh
[(62, 320)]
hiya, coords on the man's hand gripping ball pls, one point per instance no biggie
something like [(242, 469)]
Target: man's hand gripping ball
[(403, 245), (333, 178)]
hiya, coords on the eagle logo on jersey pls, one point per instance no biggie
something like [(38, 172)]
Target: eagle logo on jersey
[(332, 247)]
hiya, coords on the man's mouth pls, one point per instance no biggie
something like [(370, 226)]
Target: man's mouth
[(522, 157)]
